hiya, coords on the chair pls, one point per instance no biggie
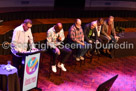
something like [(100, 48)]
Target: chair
[(50, 63), (93, 53), (74, 51)]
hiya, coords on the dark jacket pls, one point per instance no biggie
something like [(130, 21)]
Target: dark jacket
[(86, 33), (105, 29)]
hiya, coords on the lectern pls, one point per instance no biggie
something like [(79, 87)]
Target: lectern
[(31, 61)]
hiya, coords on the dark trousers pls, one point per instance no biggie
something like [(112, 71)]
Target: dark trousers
[(112, 41), (107, 42), (64, 54), (103, 39), (96, 46), (81, 50), (17, 62)]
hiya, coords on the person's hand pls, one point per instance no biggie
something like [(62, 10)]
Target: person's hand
[(97, 42), (90, 41), (116, 37), (57, 51), (83, 43), (22, 51), (35, 49), (59, 38), (109, 38)]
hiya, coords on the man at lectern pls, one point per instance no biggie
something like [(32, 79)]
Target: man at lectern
[(21, 36)]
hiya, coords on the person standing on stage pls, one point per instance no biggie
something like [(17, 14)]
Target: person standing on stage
[(21, 36), (55, 35)]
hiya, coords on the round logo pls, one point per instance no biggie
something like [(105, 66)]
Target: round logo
[(32, 65)]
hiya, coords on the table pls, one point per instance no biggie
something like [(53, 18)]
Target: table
[(129, 37), (1, 21), (9, 80)]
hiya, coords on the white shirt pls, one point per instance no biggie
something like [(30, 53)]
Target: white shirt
[(20, 39), (98, 31), (52, 37)]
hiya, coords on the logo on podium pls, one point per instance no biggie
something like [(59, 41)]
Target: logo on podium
[(32, 65)]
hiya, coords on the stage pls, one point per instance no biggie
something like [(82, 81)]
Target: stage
[(89, 76)]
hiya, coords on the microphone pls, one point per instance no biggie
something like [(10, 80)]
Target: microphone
[(29, 43)]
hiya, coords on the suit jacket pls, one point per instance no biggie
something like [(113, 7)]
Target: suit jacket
[(86, 33), (105, 29)]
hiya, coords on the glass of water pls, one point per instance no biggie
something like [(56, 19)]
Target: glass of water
[(8, 62)]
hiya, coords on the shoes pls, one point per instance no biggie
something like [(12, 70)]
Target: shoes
[(108, 51), (88, 54), (104, 51), (82, 58), (61, 65), (98, 52), (95, 52), (77, 59), (54, 68)]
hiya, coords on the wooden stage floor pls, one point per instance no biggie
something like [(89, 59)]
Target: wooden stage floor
[(89, 76)]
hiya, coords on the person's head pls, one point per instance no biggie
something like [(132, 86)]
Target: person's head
[(58, 27), (78, 23), (93, 25), (110, 20), (27, 24), (100, 21)]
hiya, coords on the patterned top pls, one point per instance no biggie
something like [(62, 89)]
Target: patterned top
[(76, 34), (52, 37)]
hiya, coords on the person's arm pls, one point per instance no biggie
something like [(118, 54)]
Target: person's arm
[(72, 34), (62, 36), (113, 30), (31, 40), (86, 29), (49, 40), (103, 30), (114, 33), (82, 34), (51, 43), (15, 44), (104, 33)]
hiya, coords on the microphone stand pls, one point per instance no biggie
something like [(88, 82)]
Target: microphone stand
[(29, 44)]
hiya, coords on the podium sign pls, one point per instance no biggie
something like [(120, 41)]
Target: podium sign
[(31, 71)]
